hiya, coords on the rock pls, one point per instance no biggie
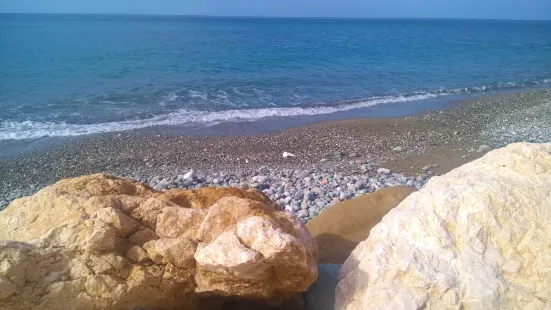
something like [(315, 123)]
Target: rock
[(321, 295), (483, 149), (476, 238), (299, 195), (287, 155), (102, 242), (426, 168), (260, 179), (310, 196), (339, 228), (384, 171), (398, 149), (189, 176)]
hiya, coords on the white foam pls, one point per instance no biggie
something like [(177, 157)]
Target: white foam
[(197, 94), (33, 130), (170, 98)]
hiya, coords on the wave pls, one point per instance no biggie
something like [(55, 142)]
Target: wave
[(34, 129)]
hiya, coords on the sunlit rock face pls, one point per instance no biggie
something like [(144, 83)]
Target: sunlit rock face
[(478, 237)]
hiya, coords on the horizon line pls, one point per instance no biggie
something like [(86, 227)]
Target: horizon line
[(282, 17)]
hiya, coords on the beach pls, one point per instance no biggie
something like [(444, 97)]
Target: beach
[(335, 160)]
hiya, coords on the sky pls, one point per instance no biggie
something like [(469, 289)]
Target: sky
[(491, 9)]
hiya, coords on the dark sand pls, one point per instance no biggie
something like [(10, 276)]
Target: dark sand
[(443, 138), (340, 228)]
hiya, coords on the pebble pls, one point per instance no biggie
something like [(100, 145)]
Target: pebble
[(260, 179), (399, 149), (299, 195), (190, 175), (303, 192), (483, 149), (383, 171), (311, 196)]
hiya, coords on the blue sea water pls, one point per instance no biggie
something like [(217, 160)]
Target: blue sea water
[(63, 75)]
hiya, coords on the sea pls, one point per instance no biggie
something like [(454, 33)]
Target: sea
[(70, 75)]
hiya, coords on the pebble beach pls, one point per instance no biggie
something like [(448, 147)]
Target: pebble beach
[(333, 160)]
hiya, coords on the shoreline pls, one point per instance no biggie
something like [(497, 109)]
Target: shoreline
[(441, 140), (21, 147)]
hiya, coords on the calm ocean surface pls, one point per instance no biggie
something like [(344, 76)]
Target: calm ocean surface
[(63, 75)]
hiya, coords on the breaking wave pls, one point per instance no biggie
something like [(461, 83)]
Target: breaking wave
[(35, 129)]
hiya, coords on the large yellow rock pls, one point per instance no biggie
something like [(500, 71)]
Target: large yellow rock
[(478, 237), (340, 228), (101, 242)]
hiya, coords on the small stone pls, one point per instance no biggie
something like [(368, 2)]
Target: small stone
[(302, 213), (189, 175), (353, 155), (244, 186), (483, 149), (426, 168), (323, 160), (384, 171), (260, 179), (159, 187), (299, 195), (399, 149)]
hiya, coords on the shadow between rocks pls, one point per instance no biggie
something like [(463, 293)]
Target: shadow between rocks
[(334, 249)]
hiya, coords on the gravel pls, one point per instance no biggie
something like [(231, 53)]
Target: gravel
[(336, 156), (303, 192)]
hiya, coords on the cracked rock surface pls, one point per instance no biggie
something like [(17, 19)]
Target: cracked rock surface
[(102, 242)]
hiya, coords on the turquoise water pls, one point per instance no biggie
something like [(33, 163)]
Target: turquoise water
[(63, 75)]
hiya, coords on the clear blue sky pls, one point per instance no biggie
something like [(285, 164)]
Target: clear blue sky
[(501, 9)]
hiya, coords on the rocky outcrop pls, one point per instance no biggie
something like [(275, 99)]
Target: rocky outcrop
[(101, 242), (476, 238), (341, 227)]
